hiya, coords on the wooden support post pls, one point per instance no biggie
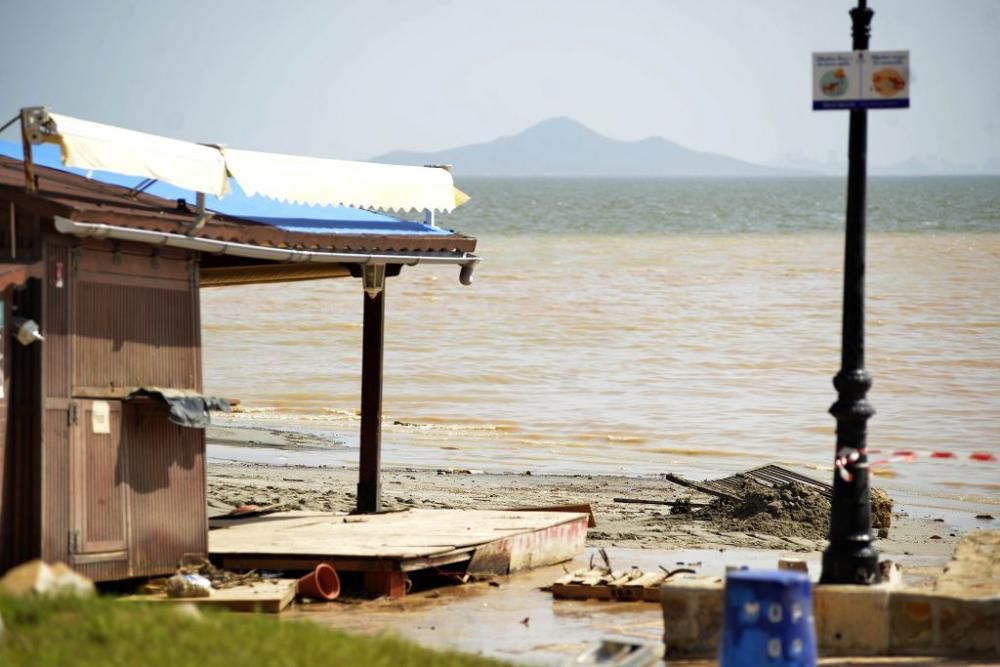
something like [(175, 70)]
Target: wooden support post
[(390, 584), (28, 161), (369, 479)]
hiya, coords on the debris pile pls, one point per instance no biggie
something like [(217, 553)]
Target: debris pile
[(774, 501), (192, 571)]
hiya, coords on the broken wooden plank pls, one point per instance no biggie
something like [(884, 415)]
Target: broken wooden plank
[(599, 584), (669, 503), (703, 488), (269, 596)]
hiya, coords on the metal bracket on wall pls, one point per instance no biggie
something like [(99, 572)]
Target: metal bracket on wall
[(72, 414), (35, 125), (202, 218), (73, 542)]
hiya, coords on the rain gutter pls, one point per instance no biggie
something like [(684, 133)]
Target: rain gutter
[(467, 261)]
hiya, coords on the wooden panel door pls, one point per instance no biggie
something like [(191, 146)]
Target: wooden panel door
[(99, 482)]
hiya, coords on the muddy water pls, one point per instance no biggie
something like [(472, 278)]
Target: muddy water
[(645, 351)]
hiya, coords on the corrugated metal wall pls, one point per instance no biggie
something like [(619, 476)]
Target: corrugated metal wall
[(99, 462), (166, 470), (133, 323), (55, 445)]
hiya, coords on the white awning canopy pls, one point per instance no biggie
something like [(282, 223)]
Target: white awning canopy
[(205, 168), (309, 180), (187, 165)]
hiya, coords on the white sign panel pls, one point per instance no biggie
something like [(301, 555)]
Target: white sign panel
[(100, 418), (861, 80)]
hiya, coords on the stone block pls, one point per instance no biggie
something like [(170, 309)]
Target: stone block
[(692, 616), (935, 624), (851, 620)]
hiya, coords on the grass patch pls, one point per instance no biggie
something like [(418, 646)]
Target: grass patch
[(102, 632)]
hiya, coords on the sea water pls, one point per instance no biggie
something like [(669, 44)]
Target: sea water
[(648, 326)]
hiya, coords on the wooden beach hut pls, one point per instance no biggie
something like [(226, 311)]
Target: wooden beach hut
[(102, 447)]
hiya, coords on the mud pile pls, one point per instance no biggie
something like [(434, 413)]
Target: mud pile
[(791, 510)]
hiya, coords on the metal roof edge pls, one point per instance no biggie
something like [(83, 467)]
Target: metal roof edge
[(466, 260)]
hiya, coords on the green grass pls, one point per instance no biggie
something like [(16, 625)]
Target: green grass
[(103, 632)]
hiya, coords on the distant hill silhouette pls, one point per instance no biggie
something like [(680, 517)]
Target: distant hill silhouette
[(566, 147)]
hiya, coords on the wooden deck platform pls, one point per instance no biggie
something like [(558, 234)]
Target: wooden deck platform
[(384, 547)]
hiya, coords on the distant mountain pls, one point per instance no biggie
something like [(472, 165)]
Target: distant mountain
[(565, 147)]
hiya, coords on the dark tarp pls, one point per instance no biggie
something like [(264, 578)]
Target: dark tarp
[(185, 407)]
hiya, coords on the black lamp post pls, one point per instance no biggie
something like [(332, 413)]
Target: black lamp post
[(850, 557)]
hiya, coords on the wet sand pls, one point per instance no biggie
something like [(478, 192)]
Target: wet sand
[(634, 526)]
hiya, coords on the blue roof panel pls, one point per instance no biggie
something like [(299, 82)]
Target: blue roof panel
[(285, 216)]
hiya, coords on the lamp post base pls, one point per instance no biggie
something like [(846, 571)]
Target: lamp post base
[(850, 562)]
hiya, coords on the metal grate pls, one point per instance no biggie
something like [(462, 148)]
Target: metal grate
[(731, 488)]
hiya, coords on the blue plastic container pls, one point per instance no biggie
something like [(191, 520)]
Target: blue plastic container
[(768, 619)]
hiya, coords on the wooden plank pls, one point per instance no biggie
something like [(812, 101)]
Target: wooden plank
[(304, 563), (702, 488), (458, 556), (549, 545), (669, 503), (576, 508), (410, 534), (269, 596)]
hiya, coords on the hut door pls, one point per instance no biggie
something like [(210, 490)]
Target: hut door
[(99, 513)]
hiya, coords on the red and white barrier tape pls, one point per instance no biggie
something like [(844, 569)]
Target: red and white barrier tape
[(909, 456)]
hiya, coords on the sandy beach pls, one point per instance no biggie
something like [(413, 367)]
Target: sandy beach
[(623, 525)]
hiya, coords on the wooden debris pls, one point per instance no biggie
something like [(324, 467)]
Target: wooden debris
[(669, 503), (268, 596), (605, 584), (703, 488)]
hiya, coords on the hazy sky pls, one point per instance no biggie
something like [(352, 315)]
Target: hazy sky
[(356, 79)]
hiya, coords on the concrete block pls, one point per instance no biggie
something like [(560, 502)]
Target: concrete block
[(692, 616), (880, 620), (851, 620), (793, 564), (935, 624)]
